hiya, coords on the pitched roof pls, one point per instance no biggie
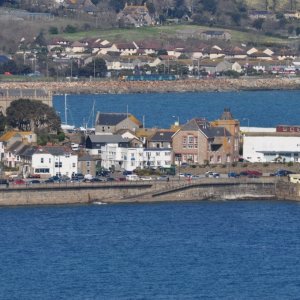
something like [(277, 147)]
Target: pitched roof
[(8, 135), (115, 118), (107, 138), (204, 126), (54, 150), (162, 136)]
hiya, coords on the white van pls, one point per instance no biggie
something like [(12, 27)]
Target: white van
[(132, 177)]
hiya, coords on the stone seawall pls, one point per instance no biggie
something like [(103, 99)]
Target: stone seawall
[(189, 85), (140, 192)]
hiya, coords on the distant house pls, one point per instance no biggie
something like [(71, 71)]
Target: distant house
[(54, 161), (11, 137), (85, 6), (135, 16), (261, 14), (115, 152), (215, 34), (199, 142), (161, 139), (87, 164), (109, 123)]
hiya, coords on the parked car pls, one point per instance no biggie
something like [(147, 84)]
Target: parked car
[(78, 176), (209, 173), (19, 181), (233, 175), (184, 165), (281, 173), (146, 178), (195, 177), (34, 181), (251, 173), (132, 177), (163, 178)]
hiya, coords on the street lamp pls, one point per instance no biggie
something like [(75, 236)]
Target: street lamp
[(248, 121)]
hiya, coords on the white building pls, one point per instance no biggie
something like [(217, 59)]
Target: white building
[(119, 158), (157, 157), (54, 160), (271, 147)]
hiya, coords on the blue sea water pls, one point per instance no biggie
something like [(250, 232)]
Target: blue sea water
[(258, 108), (194, 250)]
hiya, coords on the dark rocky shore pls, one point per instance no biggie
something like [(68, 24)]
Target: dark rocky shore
[(190, 85)]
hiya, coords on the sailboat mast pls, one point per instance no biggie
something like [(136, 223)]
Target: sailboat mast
[(66, 114)]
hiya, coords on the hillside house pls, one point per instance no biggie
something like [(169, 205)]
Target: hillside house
[(135, 16), (215, 35)]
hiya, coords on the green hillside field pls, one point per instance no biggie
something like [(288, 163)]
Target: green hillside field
[(166, 33)]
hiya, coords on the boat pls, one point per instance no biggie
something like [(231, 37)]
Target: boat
[(65, 126)]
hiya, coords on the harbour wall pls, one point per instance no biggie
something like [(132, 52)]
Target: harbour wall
[(149, 192), (188, 85)]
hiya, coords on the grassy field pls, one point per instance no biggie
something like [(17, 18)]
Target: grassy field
[(169, 32)]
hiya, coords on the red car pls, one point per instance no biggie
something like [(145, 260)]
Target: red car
[(251, 173), (19, 181)]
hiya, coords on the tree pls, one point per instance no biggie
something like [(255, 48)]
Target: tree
[(258, 23), (32, 115), (96, 68)]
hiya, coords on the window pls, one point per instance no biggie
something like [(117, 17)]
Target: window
[(191, 139), (58, 164), (157, 153), (73, 165), (49, 160), (41, 170), (42, 160), (184, 140), (87, 164)]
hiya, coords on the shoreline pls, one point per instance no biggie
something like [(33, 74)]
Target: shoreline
[(141, 87)]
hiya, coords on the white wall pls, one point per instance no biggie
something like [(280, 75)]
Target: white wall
[(266, 148), (65, 165)]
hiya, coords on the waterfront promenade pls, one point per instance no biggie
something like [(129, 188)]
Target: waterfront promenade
[(152, 191), (189, 85)]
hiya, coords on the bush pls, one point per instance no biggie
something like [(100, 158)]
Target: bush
[(234, 164), (53, 30), (290, 164), (244, 165), (265, 164), (70, 29)]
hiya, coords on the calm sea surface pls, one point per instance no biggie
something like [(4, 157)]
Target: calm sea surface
[(261, 109), (195, 250)]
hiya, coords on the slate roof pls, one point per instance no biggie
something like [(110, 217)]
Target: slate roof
[(110, 118), (86, 157), (107, 138), (113, 119), (204, 126), (162, 136), (54, 150), (15, 146)]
